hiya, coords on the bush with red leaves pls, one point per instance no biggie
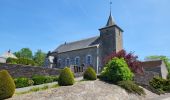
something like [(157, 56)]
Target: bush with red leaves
[(131, 59)]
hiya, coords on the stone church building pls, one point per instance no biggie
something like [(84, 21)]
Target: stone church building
[(91, 51)]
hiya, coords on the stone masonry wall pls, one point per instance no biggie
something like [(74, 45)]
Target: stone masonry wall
[(27, 71), (145, 78)]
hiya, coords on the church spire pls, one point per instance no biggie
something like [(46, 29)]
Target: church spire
[(110, 21)]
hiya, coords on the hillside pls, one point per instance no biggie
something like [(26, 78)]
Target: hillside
[(85, 90)]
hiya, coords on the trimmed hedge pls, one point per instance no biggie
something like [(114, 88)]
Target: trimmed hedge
[(7, 85), (116, 70), (90, 74), (66, 77), (42, 79), (23, 82)]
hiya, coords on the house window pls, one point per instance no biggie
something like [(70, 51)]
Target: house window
[(67, 62), (77, 61), (88, 59)]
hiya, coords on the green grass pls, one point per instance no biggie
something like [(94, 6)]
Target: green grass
[(54, 86), (45, 87), (36, 89)]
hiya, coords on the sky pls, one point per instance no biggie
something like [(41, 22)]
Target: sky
[(45, 24)]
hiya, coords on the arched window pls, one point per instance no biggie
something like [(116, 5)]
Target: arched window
[(68, 62), (59, 63), (77, 61), (88, 59)]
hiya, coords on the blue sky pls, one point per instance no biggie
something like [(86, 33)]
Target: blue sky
[(45, 24)]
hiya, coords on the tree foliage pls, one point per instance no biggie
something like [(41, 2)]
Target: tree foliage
[(164, 58), (132, 60), (24, 53), (39, 57)]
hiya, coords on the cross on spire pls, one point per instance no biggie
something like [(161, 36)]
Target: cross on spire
[(110, 21), (110, 6)]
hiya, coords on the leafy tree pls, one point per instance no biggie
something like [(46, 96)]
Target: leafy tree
[(164, 58), (24, 53), (132, 60), (39, 57)]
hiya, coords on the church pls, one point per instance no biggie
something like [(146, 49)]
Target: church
[(90, 51)]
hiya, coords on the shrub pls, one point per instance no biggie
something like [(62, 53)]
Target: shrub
[(7, 85), (39, 79), (11, 60), (161, 85), (55, 78), (131, 87), (168, 76), (90, 74), (66, 77), (132, 60), (116, 70), (48, 79), (23, 82), (25, 61)]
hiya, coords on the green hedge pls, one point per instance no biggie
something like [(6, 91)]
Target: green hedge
[(23, 82), (7, 85), (116, 70), (66, 77), (90, 74), (38, 79), (131, 87)]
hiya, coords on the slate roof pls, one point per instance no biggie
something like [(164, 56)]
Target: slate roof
[(152, 63), (81, 44)]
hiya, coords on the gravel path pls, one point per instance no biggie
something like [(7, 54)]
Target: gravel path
[(86, 90)]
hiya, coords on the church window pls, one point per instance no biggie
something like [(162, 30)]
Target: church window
[(77, 61), (59, 63), (88, 59), (67, 62)]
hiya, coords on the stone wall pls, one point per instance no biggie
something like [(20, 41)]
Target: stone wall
[(27, 71), (82, 54), (145, 78)]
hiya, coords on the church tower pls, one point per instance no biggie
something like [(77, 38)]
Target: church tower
[(110, 38)]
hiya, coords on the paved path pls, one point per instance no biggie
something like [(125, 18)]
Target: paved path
[(40, 86)]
